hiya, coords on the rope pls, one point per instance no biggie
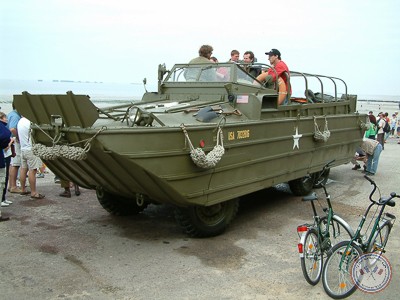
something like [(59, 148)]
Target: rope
[(63, 151), (210, 159), (321, 136)]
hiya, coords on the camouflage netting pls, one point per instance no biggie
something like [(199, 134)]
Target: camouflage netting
[(56, 151), (210, 159), (62, 150)]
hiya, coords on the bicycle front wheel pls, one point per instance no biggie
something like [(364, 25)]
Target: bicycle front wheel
[(336, 274), (312, 260)]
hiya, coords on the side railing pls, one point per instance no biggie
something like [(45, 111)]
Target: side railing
[(317, 96)]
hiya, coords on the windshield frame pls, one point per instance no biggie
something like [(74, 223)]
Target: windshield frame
[(211, 73)]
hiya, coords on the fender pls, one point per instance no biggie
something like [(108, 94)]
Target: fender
[(344, 224)]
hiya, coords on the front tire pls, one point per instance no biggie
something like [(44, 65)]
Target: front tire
[(118, 205), (207, 221), (337, 281)]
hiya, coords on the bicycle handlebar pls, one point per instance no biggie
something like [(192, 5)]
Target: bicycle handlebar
[(370, 180), (384, 201)]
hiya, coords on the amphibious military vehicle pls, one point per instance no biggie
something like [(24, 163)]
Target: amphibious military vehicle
[(209, 135)]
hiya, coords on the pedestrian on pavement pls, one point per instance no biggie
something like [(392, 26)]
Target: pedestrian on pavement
[(8, 153), (30, 163), (5, 139), (373, 150), (13, 118)]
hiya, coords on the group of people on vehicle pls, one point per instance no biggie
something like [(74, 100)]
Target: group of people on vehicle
[(279, 73)]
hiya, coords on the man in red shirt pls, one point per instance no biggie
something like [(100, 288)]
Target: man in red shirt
[(274, 57), (270, 76)]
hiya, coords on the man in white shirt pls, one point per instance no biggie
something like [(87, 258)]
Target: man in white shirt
[(30, 163)]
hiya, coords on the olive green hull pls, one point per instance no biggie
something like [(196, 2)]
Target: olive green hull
[(141, 147), (156, 161)]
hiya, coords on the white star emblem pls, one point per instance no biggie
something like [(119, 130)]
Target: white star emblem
[(296, 139)]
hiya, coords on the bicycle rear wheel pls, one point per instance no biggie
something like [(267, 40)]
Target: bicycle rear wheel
[(336, 278), (312, 260)]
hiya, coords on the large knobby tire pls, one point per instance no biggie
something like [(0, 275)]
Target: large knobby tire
[(207, 221), (302, 186), (118, 205)]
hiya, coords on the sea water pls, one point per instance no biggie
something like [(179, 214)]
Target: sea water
[(111, 93), (101, 93)]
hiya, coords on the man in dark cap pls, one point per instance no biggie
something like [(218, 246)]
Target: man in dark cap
[(279, 67), (274, 57)]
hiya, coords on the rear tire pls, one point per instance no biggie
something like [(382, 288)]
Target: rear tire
[(338, 282), (207, 221), (312, 260)]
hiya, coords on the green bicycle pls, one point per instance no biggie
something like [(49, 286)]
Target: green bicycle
[(337, 273), (317, 238)]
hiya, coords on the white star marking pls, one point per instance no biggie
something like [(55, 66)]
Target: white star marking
[(296, 139)]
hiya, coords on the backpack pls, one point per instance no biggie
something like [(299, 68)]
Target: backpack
[(386, 127)]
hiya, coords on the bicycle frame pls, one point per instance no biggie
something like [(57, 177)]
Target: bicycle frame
[(323, 235), (316, 239), (357, 238)]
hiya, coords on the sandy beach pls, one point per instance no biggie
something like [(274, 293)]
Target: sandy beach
[(72, 248), (377, 106)]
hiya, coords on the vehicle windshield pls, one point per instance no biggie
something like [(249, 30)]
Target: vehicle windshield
[(227, 72)]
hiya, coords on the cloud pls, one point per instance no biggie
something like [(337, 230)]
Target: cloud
[(125, 41)]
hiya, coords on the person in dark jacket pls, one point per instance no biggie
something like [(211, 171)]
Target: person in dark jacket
[(8, 153), (5, 139)]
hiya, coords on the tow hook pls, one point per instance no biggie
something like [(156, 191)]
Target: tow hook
[(140, 199)]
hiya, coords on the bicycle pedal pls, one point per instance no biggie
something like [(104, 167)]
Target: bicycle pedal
[(379, 249)]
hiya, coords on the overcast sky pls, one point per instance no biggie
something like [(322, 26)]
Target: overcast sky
[(125, 40)]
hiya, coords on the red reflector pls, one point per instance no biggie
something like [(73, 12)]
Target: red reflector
[(202, 143), (302, 228), (300, 247)]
